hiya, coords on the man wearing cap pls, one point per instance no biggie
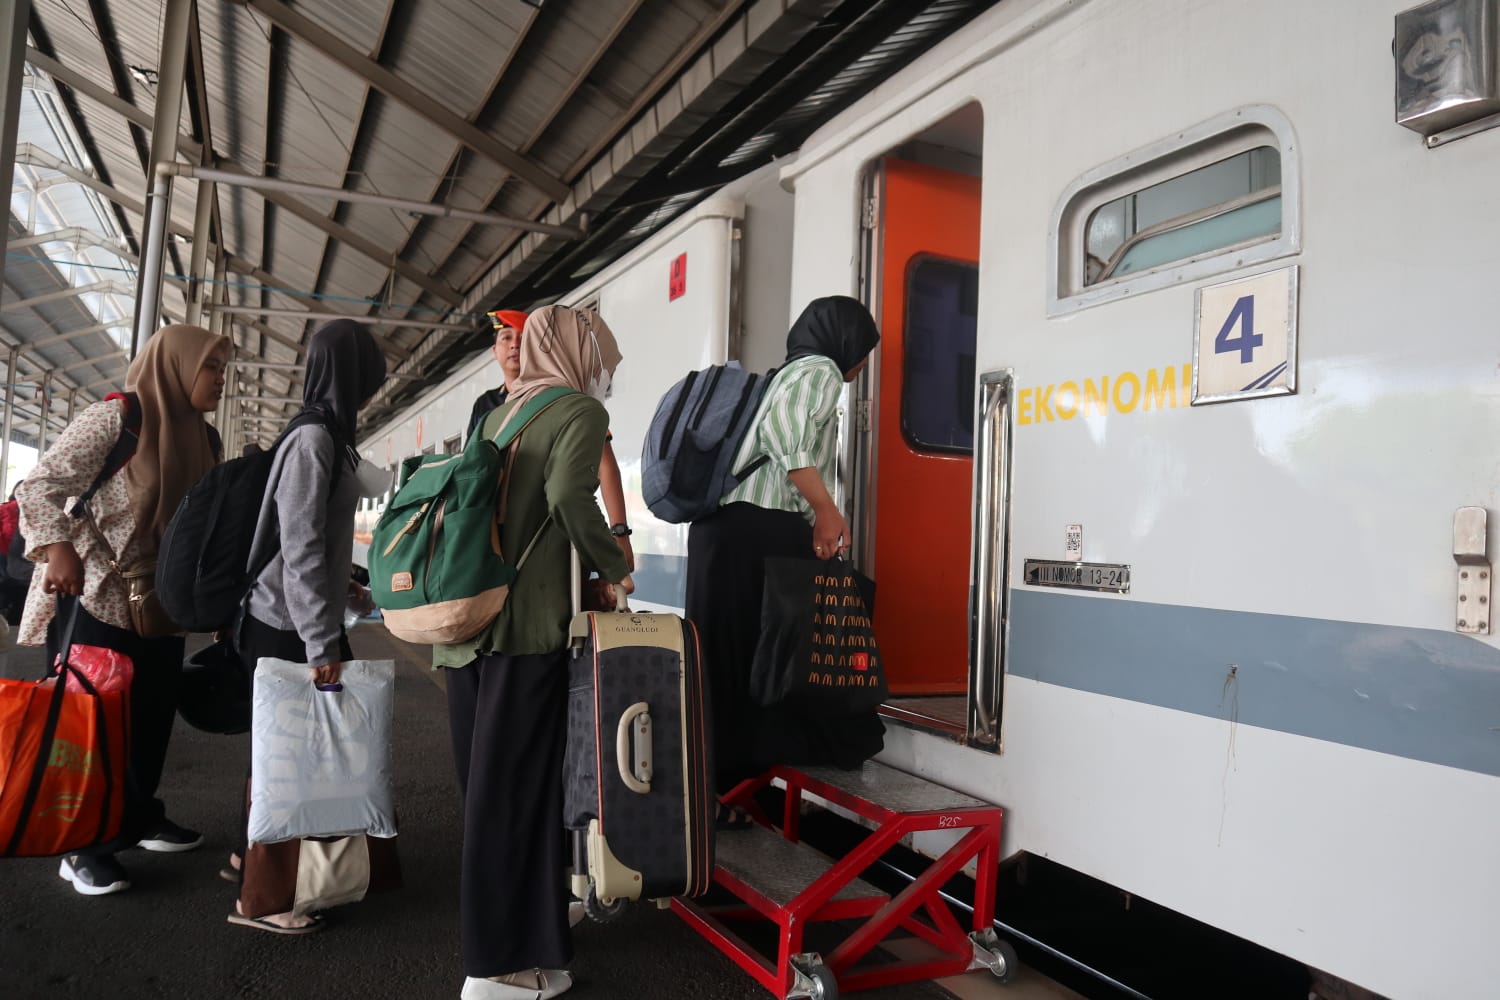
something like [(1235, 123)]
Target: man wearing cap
[(507, 350)]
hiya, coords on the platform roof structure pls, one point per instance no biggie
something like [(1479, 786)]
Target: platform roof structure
[(597, 120)]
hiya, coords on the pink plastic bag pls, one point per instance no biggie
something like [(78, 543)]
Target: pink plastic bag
[(106, 669)]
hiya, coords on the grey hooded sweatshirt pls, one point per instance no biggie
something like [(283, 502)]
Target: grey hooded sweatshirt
[(306, 586)]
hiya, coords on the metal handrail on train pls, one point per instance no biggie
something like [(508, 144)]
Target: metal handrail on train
[(988, 590)]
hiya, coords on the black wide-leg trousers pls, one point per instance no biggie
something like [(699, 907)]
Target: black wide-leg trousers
[(508, 716)]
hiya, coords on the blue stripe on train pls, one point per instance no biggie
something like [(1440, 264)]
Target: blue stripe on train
[(1424, 694)]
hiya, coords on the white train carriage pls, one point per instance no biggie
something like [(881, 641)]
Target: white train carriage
[(1173, 462)]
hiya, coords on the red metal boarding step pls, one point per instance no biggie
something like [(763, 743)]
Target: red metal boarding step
[(904, 938)]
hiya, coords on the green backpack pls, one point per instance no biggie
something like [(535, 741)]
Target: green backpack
[(432, 576)]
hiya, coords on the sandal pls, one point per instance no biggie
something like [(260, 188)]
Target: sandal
[(264, 924), (727, 817)]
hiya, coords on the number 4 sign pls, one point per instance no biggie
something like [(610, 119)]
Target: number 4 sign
[(1245, 343)]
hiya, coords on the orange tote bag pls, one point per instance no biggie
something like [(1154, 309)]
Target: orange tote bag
[(62, 753)]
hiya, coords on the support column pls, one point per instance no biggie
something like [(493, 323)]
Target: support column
[(171, 71), (219, 293), (199, 291), (14, 16), (44, 410), (72, 403), (233, 438), (10, 420)]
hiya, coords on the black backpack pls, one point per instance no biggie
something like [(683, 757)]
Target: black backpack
[(205, 566), (699, 425)]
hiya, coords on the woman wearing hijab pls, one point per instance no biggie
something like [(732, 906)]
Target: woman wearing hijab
[(783, 509), (509, 327), (178, 377), (295, 609), (508, 689)]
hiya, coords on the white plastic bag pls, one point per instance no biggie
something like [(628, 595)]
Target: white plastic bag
[(320, 761)]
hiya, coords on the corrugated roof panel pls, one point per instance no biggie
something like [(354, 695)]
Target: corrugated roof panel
[(297, 250), (234, 61), (138, 28), (452, 51), (546, 65), (465, 261), (404, 154), (75, 42), (650, 41), (436, 237), (321, 106), (357, 24), (349, 274), (240, 211), (572, 132), (118, 155), (385, 227)]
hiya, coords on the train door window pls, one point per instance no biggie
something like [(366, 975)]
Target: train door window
[(1215, 198), (937, 387)]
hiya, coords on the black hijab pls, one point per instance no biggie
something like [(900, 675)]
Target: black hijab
[(344, 368), (838, 328)]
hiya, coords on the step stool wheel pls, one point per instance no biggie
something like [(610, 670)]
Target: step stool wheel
[(1009, 965), (825, 985), (600, 911)]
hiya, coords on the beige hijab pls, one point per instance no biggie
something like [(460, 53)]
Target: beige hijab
[(562, 346), (174, 450)]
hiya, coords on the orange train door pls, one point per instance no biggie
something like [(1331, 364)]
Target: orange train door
[(924, 466)]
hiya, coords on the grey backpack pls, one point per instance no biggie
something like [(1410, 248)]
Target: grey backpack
[(698, 428)]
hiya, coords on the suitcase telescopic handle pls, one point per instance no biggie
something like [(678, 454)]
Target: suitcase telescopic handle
[(633, 748), (575, 584)]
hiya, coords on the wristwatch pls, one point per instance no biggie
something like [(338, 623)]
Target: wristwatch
[(620, 530)]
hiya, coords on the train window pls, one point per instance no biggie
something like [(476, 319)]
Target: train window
[(1216, 197), (1234, 202), (452, 445), (937, 386)]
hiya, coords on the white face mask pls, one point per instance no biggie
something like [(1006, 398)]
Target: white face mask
[(373, 480), (600, 387)]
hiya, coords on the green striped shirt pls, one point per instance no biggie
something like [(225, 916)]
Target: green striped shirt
[(797, 426)]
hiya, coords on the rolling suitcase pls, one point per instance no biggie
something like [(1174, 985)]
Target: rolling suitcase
[(638, 774)]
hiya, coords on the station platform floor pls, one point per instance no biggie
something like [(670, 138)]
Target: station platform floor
[(167, 937)]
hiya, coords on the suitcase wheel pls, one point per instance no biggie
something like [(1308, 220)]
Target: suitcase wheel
[(600, 911)]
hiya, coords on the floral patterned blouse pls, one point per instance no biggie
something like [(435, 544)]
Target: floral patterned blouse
[(62, 475)]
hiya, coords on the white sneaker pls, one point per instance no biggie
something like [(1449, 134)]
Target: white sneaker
[(554, 982), (488, 989), (99, 875), (541, 984)]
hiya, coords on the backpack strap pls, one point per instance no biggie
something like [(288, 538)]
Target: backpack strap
[(750, 468), (527, 412), (505, 437), (123, 451), (263, 557)]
